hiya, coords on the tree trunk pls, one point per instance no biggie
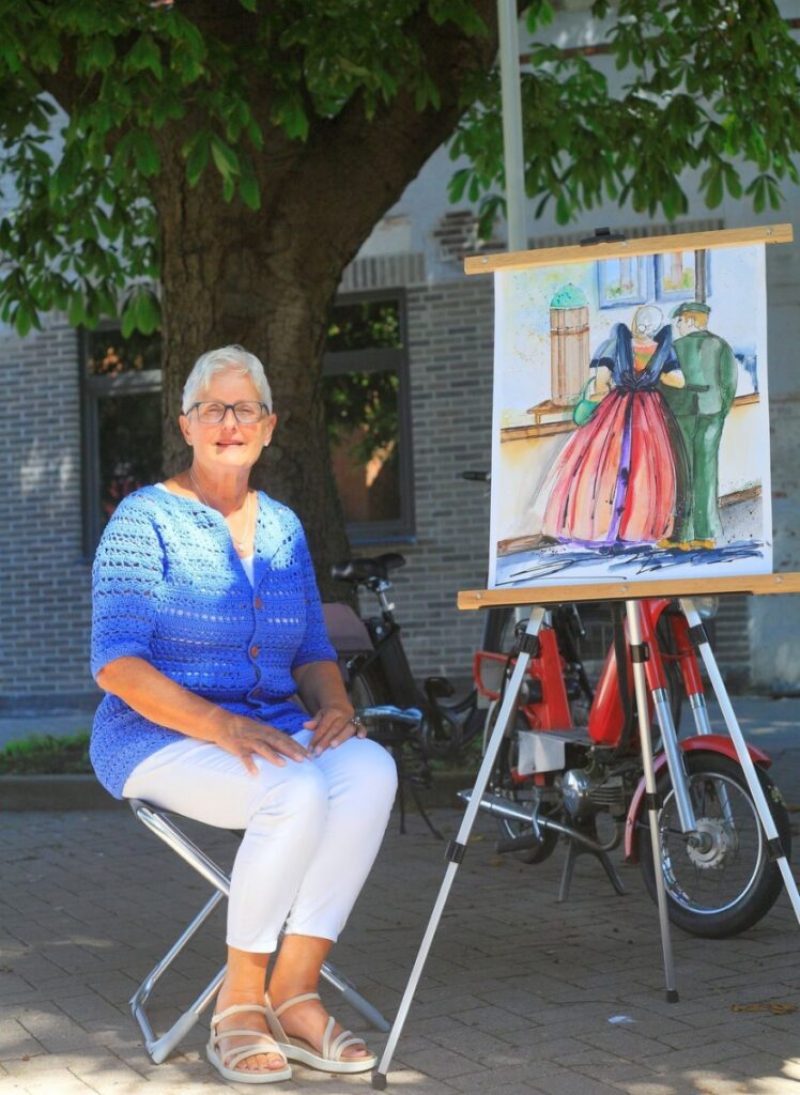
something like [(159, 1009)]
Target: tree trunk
[(267, 280), (225, 280)]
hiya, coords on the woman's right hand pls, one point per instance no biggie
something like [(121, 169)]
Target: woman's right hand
[(247, 738)]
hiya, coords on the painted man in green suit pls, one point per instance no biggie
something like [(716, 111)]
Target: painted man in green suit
[(711, 371)]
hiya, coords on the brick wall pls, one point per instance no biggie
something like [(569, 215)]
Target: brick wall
[(450, 330), (45, 578)]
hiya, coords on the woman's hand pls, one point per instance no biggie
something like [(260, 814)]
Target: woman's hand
[(148, 691), (332, 725), (322, 690), (247, 738)]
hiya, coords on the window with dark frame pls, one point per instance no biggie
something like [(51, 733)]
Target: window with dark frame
[(121, 401), (365, 388), (368, 409)]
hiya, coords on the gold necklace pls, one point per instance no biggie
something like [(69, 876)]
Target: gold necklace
[(239, 544)]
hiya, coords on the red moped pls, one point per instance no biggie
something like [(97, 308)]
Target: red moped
[(557, 779)]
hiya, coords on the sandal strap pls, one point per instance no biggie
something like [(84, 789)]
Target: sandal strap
[(252, 1049), (326, 1038), (274, 1024), (237, 1009), (342, 1042), (290, 1003), (265, 1043), (332, 1048)]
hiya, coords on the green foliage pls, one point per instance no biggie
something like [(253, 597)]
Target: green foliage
[(361, 406), (80, 225), (239, 85), (365, 324), (46, 755), (712, 85)]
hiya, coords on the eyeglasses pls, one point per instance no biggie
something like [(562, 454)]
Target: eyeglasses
[(246, 412)]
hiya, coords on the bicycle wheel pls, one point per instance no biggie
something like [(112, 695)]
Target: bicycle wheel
[(498, 630), (725, 885), (448, 728), (367, 688), (527, 794)]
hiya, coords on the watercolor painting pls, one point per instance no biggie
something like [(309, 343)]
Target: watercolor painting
[(631, 422)]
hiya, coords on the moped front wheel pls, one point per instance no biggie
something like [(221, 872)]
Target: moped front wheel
[(723, 882)]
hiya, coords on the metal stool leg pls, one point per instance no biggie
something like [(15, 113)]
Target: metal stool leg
[(160, 1046)]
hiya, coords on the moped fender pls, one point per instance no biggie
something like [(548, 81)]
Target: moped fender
[(708, 743)]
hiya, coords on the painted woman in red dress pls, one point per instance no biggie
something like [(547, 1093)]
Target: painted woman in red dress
[(622, 477)]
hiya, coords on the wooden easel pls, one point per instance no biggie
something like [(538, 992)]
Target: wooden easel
[(644, 245), (630, 592)]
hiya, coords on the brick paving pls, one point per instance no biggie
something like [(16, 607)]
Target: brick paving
[(520, 995)]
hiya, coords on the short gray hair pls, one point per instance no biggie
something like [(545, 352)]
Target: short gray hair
[(226, 358)]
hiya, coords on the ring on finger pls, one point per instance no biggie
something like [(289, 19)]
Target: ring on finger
[(358, 723)]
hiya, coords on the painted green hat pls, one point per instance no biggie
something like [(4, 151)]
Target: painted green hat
[(691, 306)]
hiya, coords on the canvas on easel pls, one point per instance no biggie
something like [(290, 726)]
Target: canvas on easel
[(631, 416)]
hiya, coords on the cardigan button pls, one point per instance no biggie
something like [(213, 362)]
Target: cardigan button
[(255, 651), (258, 603)]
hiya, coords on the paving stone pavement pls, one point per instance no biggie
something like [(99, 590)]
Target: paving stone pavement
[(520, 994)]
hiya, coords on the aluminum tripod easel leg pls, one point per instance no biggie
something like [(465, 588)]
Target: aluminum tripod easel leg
[(457, 847), (638, 656), (700, 638)]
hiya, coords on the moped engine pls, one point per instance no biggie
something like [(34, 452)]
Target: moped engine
[(586, 792)]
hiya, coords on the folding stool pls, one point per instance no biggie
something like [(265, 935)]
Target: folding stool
[(160, 1046)]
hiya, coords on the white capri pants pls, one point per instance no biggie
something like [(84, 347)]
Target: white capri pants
[(312, 829)]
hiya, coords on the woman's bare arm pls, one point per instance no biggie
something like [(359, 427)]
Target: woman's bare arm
[(159, 699), (603, 382)]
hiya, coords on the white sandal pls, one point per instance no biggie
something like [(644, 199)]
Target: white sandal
[(330, 1059), (225, 1063)]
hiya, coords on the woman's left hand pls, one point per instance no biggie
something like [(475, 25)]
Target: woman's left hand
[(333, 725)]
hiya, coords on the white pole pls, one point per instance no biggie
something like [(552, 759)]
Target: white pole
[(457, 847), (643, 710), (508, 24)]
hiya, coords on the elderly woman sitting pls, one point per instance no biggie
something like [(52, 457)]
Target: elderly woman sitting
[(207, 622)]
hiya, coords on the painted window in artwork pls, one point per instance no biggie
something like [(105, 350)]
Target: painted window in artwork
[(683, 275), (622, 281), (676, 275)]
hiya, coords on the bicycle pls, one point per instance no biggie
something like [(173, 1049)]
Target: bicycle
[(380, 673)]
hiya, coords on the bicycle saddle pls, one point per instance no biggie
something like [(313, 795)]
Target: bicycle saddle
[(364, 569)]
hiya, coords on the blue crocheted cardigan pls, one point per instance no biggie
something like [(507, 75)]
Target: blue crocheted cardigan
[(168, 586)]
